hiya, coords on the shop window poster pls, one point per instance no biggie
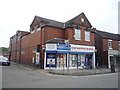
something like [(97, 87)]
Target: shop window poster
[(61, 60), (51, 61)]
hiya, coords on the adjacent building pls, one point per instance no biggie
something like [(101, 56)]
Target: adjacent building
[(108, 46)]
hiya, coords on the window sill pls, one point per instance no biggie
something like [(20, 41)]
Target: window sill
[(77, 39), (87, 41), (110, 48)]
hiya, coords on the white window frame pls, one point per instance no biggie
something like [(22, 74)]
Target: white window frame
[(109, 44), (77, 34), (87, 36), (38, 28), (32, 31)]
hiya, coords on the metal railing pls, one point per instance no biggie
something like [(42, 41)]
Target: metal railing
[(81, 72)]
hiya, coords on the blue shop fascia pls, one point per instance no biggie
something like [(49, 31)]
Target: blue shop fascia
[(76, 56)]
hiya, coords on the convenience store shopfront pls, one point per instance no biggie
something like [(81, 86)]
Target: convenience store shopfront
[(76, 56)]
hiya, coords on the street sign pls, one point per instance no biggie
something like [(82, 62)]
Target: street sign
[(43, 47), (37, 58)]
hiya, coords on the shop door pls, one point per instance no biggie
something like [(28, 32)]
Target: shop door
[(112, 61), (88, 61)]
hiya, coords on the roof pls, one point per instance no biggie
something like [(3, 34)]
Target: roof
[(49, 22), (23, 33), (108, 35), (75, 20), (118, 37)]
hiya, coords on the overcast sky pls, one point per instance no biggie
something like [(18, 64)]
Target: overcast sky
[(18, 14)]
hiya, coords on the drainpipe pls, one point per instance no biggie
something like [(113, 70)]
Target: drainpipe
[(20, 49), (42, 42), (44, 46), (16, 49), (94, 60), (40, 49), (10, 49)]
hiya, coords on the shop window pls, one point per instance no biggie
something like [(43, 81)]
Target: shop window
[(73, 60), (77, 34), (61, 60), (87, 36), (82, 60), (50, 60), (110, 44)]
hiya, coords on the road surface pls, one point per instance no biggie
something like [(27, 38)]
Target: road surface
[(16, 76)]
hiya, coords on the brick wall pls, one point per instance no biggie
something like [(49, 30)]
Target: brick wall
[(69, 34), (105, 44), (52, 32), (28, 44), (115, 45)]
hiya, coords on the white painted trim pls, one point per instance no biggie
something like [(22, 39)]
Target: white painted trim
[(77, 32), (109, 40), (45, 60), (68, 59), (109, 61), (32, 31), (87, 36), (93, 57)]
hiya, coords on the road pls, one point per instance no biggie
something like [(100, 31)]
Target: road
[(15, 76)]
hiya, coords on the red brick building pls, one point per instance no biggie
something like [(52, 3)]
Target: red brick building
[(54, 43), (108, 46)]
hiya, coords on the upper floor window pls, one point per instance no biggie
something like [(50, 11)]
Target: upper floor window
[(110, 44), (87, 36), (77, 34)]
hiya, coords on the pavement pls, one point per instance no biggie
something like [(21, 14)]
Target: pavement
[(79, 72), (71, 72)]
